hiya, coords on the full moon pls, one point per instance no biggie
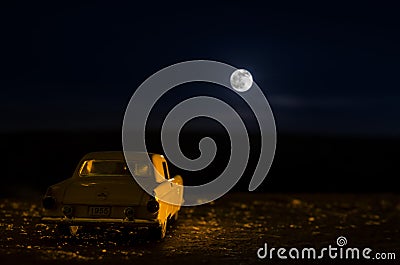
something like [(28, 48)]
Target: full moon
[(241, 80)]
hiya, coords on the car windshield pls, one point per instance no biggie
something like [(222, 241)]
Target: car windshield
[(114, 168)]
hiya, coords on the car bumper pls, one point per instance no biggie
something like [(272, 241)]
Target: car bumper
[(100, 221)]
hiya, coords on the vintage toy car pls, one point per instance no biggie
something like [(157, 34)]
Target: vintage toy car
[(102, 191)]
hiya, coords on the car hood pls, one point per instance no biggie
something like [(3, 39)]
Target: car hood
[(104, 191)]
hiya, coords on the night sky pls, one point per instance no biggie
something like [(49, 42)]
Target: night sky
[(325, 68)]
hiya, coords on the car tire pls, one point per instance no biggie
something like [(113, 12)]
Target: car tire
[(63, 230), (173, 219), (159, 232)]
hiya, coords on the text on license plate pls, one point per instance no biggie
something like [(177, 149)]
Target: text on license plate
[(99, 211)]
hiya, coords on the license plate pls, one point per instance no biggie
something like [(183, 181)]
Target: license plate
[(99, 211)]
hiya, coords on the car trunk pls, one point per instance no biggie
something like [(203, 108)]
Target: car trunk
[(104, 191)]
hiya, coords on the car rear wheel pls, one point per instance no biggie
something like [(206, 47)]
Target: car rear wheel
[(63, 230), (159, 232), (66, 230), (173, 219)]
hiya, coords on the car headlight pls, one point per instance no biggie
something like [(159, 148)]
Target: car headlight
[(49, 202)]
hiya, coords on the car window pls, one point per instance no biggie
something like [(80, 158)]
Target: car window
[(113, 168), (140, 169)]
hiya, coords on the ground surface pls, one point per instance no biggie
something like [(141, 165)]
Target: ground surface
[(228, 231)]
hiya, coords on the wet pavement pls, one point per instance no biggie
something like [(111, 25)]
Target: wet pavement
[(227, 231)]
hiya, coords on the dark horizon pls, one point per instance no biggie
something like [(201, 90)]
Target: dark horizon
[(303, 163)]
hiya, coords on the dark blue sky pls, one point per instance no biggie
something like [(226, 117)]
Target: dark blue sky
[(325, 68)]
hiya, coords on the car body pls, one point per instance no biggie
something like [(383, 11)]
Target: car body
[(102, 191)]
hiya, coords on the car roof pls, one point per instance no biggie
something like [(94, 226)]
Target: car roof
[(117, 155)]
